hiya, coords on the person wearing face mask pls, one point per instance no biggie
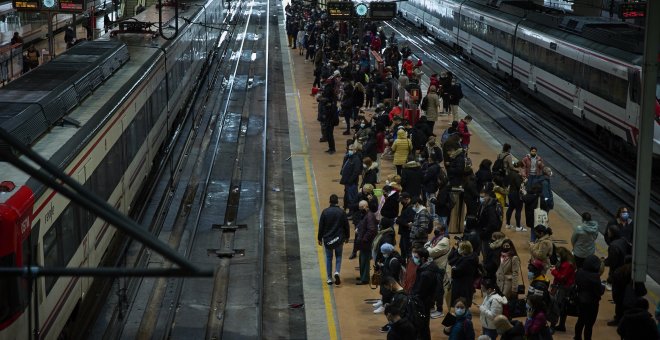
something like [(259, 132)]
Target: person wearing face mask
[(536, 327), (424, 287), (421, 225), (488, 219), (438, 249), (542, 248), (463, 329), (463, 262), (491, 307), (623, 221), (365, 234), (532, 169), (350, 176), (508, 274), (513, 330)]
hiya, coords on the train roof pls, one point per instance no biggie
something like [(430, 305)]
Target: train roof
[(61, 143), (618, 39)]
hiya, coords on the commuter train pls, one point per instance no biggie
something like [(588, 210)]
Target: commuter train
[(107, 141), (587, 68)]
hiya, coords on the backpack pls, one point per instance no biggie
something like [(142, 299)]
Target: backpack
[(445, 136), (553, 257), (414, 311), (425, 103), (498, 166)]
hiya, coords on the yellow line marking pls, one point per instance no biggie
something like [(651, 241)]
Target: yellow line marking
[(327, 299)]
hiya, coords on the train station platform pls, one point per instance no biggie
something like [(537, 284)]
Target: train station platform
[(345, 311)]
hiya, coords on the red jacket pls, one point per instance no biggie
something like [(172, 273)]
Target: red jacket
[(527, 164), (396, 111), (564, 274), (408, 66), (375, 44), (464, 132), (380, 142)]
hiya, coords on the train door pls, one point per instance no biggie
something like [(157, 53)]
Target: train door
[(83, 225), (580, 81), (634, 96), (532, 52)]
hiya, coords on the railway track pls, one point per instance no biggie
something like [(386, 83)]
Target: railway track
[(579, 163)]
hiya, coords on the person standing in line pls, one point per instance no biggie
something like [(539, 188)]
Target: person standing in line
[(333, 232), (536, 327), (546, 189), (508, 272), (455, 96), (532, 168), (432, 106), (438, 249), (364, 236), (623, 221), (401, 147), (515, 200), (465, 133), (492, 306), (424, 287), (463, 329), (589, 291), (584, 239), (564, 279), (350, 175)]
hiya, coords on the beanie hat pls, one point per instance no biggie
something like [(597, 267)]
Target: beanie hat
[(386, 248), (502, 324), (537, 264)]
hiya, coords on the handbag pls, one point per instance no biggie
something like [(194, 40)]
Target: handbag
[(540, 215), (571, 302), (520, 289), (411, 153), (515, 308), (449, 320), (375, 280)]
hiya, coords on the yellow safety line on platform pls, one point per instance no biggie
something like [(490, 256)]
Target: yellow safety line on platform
[(327, 299)]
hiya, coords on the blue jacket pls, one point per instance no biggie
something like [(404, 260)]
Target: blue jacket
[(463, 328)]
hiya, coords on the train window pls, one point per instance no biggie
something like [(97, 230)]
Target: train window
[(9, 295), (635, 85), (51, 255), (69, 232), (522, 49)]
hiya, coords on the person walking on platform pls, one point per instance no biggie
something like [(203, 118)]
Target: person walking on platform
[(364, 236), (589, 292), (333, 232), (584, 239), (532, 168), (350, 175), (424, 287), (515, 181)]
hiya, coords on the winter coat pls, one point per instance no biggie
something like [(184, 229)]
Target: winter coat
[(542, 249), (492, 306), (515, 333), (333, 224), (411, 179), (358, 98), (390, 208), (402, 329), (508, 276), (419, 226), (483, 176), (439, 251), (492, 260), (584, 239), (514, 180), (587, 280), (373, 201), (616, 253), (456, 168), (433, 105), (351, 170), (626, 229), (535, 325), (401, 148), (463, 272), (366, 232), (443, 203), (637, 324), (463, 329), (464, 132), (471, 195), (406, 219), (546, 192), (426, 282), (429, 150), (382, 237), (370, 175), (392, 266), (455, 93), (564, 274), (430, 179), (488, 219)]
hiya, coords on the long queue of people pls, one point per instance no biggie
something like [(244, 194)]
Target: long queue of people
[(429, 276)]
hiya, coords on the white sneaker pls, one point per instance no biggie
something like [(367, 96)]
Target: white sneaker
[(508, 226), (379, 310), (377, 304), (608, 286), (436, 314), (521, 229)]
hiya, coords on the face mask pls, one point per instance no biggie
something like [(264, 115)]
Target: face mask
[(625, 215), (386, 255), (533, 154), (529, 308), (530, 275), (417, 260), (460, 311), (436, 232), (364, 165), (362, 125), (482, 200), (350, 153)]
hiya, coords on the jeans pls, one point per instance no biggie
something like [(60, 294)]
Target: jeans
[(586, 320), (404, 245), (514, 206), (440, 292), (429, 205), (328, 259), (443, 220), (350, 196), (365, 263), (329, 136), (492, 333)]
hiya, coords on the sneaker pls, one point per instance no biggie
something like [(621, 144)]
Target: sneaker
[(608, 286), (378, 304), (508, 226), (436, 314), (385, 328), (521, 229), (379, 310), (613, 323), (329, 281), (337, 279)]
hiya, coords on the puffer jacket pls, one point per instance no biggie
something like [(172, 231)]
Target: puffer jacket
[(401, 147), (542, 249), (491, 307), (584, 239)]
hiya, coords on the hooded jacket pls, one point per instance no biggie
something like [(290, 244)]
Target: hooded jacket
[(542, 249), (426, 282), (411, 179), (430, 179), (401, 147), (587, 280), (463, 328), (492, 306), (584, 239)]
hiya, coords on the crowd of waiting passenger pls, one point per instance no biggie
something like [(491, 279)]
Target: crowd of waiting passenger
[(402, 221)]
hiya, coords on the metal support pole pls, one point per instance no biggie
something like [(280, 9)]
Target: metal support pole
[(51, 38), (645, 143)]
